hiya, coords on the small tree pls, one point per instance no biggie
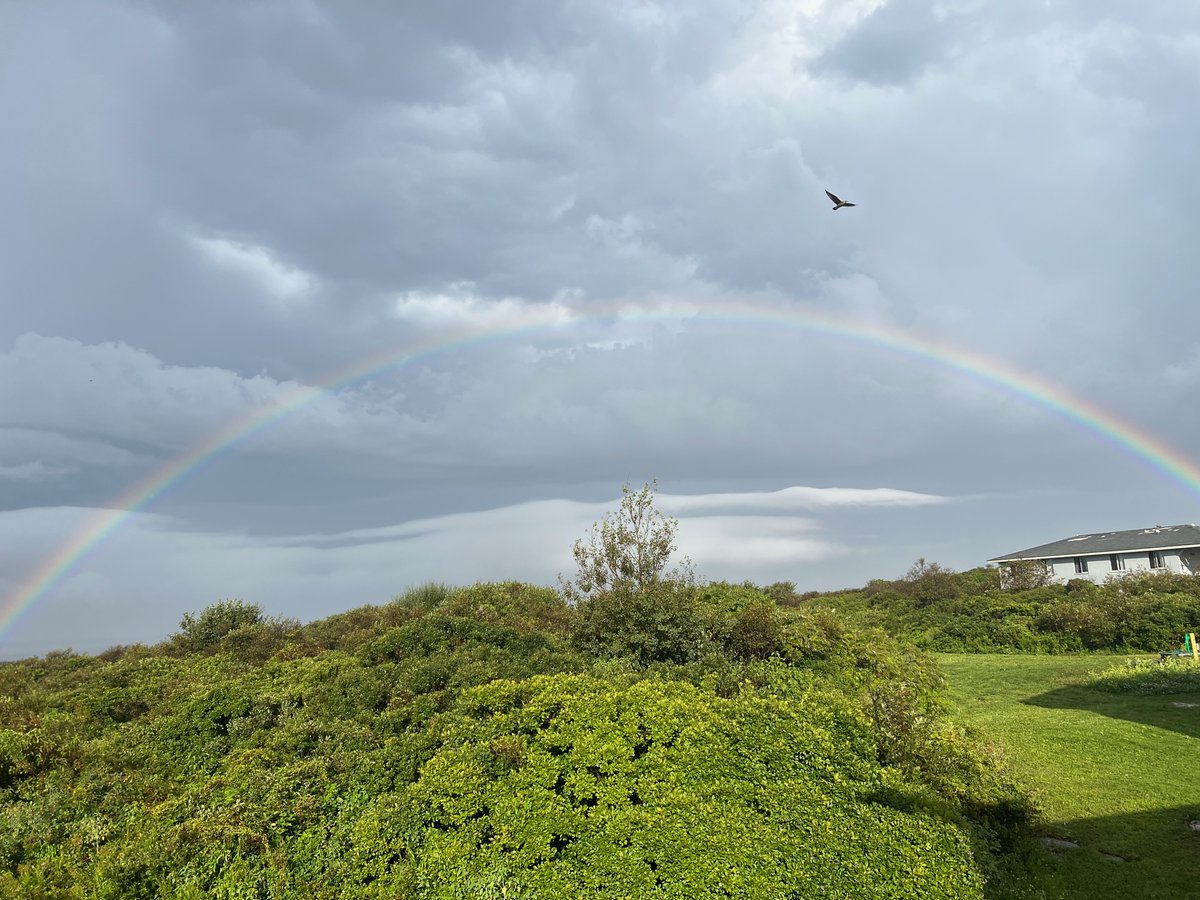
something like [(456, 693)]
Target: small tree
[(929, 582), (628, 551), (1025, 574)]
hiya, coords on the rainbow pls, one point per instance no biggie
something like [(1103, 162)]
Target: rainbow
[(1024, 385)]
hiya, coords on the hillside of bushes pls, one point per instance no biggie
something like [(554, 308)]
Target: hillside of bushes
[(494, 741), (635, 733), (968, 612), (651, 737)]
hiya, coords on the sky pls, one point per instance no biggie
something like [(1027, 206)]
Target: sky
[(445, 276)]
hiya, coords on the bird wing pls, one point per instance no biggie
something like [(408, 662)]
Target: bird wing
[(844, 203), (832, 197)]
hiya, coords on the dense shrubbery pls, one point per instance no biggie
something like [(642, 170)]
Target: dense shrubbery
[(969, 612), (637, 735), (677, 741)]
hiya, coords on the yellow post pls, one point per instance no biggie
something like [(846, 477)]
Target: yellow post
[(1192, 641)]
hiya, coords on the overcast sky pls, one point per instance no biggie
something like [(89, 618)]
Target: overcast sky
[(207, 206)]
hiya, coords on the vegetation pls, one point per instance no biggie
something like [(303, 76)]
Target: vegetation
[(510, 740), (500, 741), (940, 610), (1148, 676), (488, 743), (1114, 773), (628, 552)]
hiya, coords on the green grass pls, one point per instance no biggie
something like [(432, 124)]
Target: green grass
[(1117, 773)]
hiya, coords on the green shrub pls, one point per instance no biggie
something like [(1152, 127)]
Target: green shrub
[(660, 623), (449, 743), (929, 583), (1136, 612), (427, 596), (757, 632), (567, 785), (352, 629), (1144, 676), (525, 607), (205, 631)]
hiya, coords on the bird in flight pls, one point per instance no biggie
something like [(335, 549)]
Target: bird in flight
[(837, 202)]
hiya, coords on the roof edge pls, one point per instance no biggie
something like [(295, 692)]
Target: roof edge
[(1020, 556)]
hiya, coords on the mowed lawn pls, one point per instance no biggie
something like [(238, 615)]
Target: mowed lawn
[(1116, 773)]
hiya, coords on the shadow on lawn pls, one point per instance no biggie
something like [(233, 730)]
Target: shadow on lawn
[(1169, 711), (1151, 855)]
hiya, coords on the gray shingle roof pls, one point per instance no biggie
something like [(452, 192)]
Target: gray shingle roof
[(1161, 537)]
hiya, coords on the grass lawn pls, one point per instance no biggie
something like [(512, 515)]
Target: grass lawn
[(1118, 774)]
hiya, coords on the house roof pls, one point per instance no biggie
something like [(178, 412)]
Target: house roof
[(1161, 537)]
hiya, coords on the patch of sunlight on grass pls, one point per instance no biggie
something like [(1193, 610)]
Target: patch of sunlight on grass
[(1117, 773)]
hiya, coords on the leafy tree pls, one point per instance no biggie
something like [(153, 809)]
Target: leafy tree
[(214, 622), (930, 582), (1025, 574), (628, 551)]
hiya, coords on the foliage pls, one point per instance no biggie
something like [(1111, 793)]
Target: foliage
[(1026, 574), (628, 551), (205, 631), (957, 612), (524, 607), (429, 595), (930, 582), (494, 740), (563, 785), (1148, 677), (757, 632), (660, 623)]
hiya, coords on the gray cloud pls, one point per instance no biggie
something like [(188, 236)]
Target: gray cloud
[(894, 44)]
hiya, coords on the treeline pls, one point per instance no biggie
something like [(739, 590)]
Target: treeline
[(968, 612)]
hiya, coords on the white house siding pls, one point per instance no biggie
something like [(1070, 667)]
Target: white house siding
[(1100, 567)]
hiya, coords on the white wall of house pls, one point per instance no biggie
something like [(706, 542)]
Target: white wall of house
[(1099, 568)]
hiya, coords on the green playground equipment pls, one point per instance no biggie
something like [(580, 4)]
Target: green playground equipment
[(1189, 650)]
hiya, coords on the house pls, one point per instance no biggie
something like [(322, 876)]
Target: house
[(1096, 557)]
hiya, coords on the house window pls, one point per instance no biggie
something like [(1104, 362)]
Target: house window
[(1156, 559), (1116, 561), (1080, 565)]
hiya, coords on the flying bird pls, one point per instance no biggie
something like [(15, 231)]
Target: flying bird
[(837, 202)]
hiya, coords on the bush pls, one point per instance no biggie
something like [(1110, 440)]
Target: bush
[(427, 596), (259, 642), (205, 631), (1143, 676), (627, 552), (1138, 612), (661, 623), (525, 607), (566, 785), (929, 583), (757, 632)]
